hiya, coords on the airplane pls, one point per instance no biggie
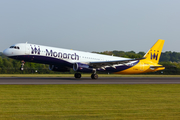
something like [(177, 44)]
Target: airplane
[(63, 60)]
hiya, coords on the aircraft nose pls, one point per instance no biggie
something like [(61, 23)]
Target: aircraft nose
[(6, 52)]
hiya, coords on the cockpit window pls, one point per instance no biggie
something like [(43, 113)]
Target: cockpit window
[(15, 47)]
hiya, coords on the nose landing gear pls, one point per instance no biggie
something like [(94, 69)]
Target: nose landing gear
[(22, 65)]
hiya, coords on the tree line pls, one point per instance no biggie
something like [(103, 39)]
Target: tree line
[(171, 60)]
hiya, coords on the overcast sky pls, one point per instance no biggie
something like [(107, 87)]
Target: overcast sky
[(91, 25)]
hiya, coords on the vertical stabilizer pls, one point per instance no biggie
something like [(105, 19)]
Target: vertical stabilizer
[(155, 51)]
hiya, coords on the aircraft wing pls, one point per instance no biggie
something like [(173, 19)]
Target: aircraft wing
[(111, 63)]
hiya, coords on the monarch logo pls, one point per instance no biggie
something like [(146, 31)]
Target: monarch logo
[(62, 55), (35, 50), (154, 56)]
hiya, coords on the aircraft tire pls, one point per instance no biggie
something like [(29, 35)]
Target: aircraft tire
[(21, 68), (77, 75), (94, 76)]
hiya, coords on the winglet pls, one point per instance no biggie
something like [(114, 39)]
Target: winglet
[(155, 51)]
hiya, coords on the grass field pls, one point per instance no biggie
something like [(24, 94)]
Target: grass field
[(77, 102), (83, 75)]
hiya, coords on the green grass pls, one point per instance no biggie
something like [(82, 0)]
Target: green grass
[(77, 102), (83, 75)]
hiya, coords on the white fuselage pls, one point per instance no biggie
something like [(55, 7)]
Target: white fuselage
[(65, 58), (71, 56)]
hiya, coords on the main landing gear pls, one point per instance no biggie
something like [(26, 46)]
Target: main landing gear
[(77, 75), (93, 76), (22, 65)]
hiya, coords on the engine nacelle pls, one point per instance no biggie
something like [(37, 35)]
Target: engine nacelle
[(79, 67), (58, 68)]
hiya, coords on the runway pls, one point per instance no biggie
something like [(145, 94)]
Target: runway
[(58, 80)]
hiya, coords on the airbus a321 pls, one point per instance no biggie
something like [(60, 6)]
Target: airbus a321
[(63, 60)]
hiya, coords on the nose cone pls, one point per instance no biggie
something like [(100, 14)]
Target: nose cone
[(6, 52)]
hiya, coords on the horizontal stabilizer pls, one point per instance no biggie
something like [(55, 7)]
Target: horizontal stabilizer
[(156, 66)]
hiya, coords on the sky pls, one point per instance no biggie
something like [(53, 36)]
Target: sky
[(91, 25)]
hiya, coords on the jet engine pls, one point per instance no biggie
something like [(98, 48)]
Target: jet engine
[(58, 68), (79, 67)]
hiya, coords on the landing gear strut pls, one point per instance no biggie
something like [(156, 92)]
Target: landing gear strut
[(22, 65), (77, 75)]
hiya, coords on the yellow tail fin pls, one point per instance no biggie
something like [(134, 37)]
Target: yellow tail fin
[(155, 51)]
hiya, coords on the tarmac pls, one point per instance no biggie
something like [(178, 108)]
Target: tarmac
[(71, 80)]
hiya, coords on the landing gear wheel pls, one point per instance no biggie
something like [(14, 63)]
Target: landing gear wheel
[(77, 75), (94, 76), (21, 68)]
